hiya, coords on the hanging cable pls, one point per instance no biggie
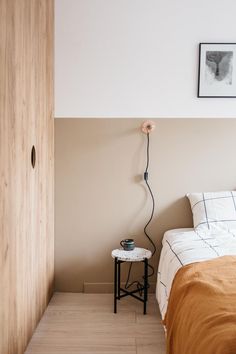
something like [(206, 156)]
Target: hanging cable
[(152, 197), (138, 284), (153, 206)]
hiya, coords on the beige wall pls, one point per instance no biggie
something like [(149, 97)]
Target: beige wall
[(100, 195)]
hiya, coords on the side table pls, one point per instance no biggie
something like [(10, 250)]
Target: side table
[(137, 255)]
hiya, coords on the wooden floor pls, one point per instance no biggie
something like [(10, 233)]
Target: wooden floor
[(85, 323)]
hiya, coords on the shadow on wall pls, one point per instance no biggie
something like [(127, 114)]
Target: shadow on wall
[(92, 274), (176, 215)]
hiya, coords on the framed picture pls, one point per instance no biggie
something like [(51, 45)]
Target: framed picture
[(217, 70)]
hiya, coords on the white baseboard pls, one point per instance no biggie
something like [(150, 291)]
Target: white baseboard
[(108, 288)]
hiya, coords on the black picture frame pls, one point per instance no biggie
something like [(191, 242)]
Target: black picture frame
[(217, 70)]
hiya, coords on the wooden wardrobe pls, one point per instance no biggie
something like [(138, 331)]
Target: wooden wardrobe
[(26, 168)]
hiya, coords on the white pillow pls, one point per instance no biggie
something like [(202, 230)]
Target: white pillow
[(213, 211)]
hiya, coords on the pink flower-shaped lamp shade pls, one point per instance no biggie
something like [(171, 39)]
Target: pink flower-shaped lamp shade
[(148, 126)]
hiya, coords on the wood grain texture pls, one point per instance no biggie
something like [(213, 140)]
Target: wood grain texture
[(26, 194), (85, 323)]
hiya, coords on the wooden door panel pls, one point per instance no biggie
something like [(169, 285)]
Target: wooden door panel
[(26, 193)]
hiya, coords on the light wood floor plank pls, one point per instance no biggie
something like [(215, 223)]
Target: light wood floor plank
[(85, 323), (151, 345)]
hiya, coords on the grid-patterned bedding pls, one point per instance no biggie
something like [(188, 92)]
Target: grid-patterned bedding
[(185, 246), (213, 211)]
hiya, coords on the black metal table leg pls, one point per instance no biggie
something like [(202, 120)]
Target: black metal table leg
[(115, 286), (145, 286), (119, 263)]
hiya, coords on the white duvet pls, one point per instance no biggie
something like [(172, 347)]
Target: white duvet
[(185, 246)]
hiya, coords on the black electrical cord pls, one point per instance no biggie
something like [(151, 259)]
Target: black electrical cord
[(138, 284), (153, 200)]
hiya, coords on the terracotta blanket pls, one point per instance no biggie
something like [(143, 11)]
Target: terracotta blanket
[(201, 314)]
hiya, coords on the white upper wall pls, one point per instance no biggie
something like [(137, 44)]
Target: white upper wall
[(137, 58)]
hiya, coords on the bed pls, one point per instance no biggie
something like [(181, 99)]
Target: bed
[(196, 285)]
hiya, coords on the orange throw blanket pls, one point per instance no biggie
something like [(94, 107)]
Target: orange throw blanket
[(201, 314)]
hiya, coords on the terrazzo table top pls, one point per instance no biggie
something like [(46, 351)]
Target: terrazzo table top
[(136, 255)]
